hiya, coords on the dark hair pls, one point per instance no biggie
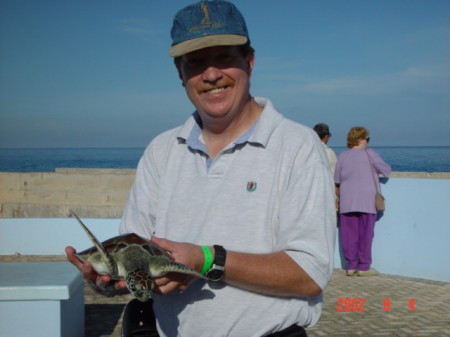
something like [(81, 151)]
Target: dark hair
[(245, 49), (322, 130)]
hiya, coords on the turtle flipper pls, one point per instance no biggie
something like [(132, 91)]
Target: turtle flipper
[(107, 259), (140, 284), (167, 267)]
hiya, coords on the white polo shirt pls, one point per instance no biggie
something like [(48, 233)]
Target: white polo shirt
[(269, 191)]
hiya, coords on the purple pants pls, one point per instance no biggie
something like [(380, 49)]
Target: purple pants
[(356, 233)]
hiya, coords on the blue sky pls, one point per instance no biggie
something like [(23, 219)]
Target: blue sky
[(97, 73)]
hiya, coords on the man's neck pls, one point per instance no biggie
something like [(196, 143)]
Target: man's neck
[(219, 135)]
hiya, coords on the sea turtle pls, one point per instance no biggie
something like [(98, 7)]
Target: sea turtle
[(133, 259)]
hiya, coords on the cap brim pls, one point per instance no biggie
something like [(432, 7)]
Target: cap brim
[(205, 42)]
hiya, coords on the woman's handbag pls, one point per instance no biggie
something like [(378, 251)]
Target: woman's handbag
[(379, 202), (379, 199)]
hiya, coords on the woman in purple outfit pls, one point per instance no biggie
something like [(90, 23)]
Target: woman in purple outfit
[(355, 190)]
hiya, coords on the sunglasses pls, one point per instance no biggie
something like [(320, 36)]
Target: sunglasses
[(368, 139)]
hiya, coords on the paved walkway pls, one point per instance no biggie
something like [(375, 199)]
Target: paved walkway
[(391, 306), (384, 305)]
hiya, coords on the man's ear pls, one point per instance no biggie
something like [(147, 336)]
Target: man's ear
[(250, 64), (180, 75)]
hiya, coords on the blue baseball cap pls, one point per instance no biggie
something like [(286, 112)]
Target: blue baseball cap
[(207, 24)]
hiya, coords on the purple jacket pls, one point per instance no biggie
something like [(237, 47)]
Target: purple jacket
[(357, 187)]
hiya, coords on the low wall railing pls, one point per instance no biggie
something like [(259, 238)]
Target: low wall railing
[(411, 236)]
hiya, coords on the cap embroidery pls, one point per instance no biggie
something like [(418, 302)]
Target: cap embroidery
[(206, 22), (251, 186)]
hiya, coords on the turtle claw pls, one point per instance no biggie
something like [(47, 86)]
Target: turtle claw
[(140, 284)]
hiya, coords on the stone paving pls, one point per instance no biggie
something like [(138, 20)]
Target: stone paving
[(385, 305)]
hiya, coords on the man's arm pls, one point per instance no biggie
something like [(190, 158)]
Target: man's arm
[(271, 274)]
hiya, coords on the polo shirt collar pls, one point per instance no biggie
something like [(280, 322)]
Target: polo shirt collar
[(258, 133), (267, 122)]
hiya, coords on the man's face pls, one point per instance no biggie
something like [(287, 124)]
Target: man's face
[(217, 81)]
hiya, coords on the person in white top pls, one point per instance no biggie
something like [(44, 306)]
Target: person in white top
[(324, 134), (238, 192)]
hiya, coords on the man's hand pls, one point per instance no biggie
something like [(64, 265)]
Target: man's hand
[(89, 273), (186, 253)]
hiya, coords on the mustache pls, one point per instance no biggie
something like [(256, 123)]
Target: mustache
[(219, 84)]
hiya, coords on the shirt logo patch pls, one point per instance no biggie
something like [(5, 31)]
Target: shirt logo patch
[(251, 186)]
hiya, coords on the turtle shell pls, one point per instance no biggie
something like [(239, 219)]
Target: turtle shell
[(120, 242)]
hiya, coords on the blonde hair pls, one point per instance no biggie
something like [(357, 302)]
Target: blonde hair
[(355, 134)]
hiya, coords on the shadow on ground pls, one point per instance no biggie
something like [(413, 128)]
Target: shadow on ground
[(108, 314)]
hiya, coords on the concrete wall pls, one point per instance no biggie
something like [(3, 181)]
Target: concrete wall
[(411, 237), (95, 193), (41, 236)]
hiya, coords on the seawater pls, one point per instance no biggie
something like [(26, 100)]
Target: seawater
[(401, 158), (413, 158), (47, 160)]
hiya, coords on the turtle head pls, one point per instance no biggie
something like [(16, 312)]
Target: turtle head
[(140, 284)]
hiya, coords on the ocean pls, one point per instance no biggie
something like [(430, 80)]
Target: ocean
[(401, 158)]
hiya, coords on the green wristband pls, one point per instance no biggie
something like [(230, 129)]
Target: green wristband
[(208, 259)]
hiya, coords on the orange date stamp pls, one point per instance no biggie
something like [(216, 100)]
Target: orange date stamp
[(357, 304)]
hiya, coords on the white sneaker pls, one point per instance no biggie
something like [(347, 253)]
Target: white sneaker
[(367, 273), (351, 272)]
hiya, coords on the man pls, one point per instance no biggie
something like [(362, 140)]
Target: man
[(324, 134), (237, 184)]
